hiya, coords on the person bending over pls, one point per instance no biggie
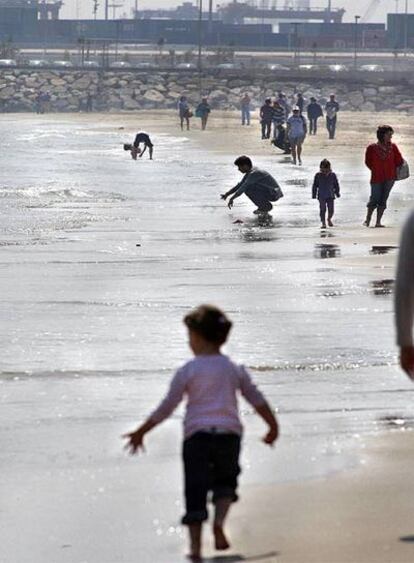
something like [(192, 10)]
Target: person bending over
[(258, 185), (141, 138)]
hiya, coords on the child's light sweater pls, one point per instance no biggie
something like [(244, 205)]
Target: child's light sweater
[(211, 384)]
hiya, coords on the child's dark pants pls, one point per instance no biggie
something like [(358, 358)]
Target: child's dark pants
[(211, 463), (326, 204)]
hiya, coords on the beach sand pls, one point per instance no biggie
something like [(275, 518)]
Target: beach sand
[(89, 512), (364, 515)]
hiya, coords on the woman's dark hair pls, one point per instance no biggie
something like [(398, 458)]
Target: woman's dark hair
[(382, 131), (209, 322), (325, 163), (243, 160), (127, 147)]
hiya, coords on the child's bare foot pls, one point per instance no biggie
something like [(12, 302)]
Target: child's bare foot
[(220, 540), (194, 558)]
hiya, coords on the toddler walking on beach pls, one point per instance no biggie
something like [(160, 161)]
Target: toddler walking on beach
[(325, 188), (212, 427)]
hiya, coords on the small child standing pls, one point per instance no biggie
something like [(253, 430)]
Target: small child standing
[(325, 188), (212, 428)]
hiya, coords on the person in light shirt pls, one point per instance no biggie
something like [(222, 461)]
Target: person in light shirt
[(211, 384), (296, 131)]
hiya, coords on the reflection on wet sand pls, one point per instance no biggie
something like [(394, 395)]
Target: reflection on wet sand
[(382, 287), (327, 251), (297, 182), (385, 249), (256, 235), (396, 421), (326, 234)]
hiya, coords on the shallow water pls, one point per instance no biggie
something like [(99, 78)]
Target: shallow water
[(100, 259)]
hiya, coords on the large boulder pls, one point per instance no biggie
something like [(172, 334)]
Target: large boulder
[(370, 92), (217, 95), (387, 89), (368, 106), (7, 92), (153, 96), (130, 104), (356, 99)]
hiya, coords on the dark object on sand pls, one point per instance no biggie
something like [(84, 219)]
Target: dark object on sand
[(281, 141)]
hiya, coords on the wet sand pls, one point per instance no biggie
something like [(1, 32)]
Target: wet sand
[(364, 515), (66, 483)]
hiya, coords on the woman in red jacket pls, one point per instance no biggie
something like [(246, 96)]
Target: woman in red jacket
[(382, 158)]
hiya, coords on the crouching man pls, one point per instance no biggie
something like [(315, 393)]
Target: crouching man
[(258, 185)]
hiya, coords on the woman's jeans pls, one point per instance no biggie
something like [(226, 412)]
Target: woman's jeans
[(331, 126), (379, 194), (245, 115), (313, 125)]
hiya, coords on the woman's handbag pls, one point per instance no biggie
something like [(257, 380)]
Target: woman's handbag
[(403, 171)]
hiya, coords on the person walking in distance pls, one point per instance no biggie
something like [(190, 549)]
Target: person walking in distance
[(314, 111), (325, 188), (383, 159), (300, 102), (258, 185), (266, 115), (184, 112), (245, 106), (278, 118), (211, 384), (282, 100), (296, 130), (331, 110), (203, 110)]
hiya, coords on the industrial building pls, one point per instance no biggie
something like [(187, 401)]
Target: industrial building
[(400, 31), (294, 25), (336, 35)]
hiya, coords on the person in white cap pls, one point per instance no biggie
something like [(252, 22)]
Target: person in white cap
[(296, 130), (331, 109)]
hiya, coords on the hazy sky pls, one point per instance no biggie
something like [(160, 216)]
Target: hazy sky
[(84, 7)]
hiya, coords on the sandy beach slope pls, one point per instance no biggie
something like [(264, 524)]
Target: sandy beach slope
[(365, 515)]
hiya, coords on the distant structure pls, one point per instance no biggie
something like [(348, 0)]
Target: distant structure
[(236, 12), (400, 31), (12, 10)]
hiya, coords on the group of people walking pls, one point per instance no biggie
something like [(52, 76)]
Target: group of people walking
[(289, 123), (274, 119), (185, 113)]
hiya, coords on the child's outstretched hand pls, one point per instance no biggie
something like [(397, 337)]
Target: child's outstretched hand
[(135, 441), (271, 437)]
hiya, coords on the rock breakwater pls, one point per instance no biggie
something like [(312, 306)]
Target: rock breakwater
[(136, 90)]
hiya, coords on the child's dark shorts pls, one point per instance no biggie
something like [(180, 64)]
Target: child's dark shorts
[(211, 463)]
